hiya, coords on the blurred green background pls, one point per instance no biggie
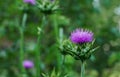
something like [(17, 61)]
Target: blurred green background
[(100, 16)]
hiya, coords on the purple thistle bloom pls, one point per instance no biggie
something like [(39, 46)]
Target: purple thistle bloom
[(80, 36), (28, 64), (30, 1)]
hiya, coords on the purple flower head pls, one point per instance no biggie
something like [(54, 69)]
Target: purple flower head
[(80, 36), (28, 64), (30, 1)]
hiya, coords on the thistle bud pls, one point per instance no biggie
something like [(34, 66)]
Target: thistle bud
[(66, 47), (48, 6)]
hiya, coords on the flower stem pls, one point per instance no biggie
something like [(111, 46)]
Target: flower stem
[(63, 61), (37, 52), (60, 43), (56, 28), (82, 69), (22, 42), (37, 58), (61, 35)]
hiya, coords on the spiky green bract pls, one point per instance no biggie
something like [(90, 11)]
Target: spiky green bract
[(47, 6), (79, 52), (54, 74)]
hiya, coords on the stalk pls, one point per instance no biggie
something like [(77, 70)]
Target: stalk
[(63, 60), (56, 28), (37, 58), (57, 34), (83, 69), (61, 39), (60, 43), (61, 34), (37, 52), (22, 42)]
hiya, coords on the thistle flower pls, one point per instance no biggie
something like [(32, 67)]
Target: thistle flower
[(29, 1), (28, 64), (80, 36)]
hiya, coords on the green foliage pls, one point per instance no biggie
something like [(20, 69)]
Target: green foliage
[(71, 14), (114, 57), (112, 72)]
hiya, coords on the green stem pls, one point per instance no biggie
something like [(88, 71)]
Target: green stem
[(24, 20), (83, 69), (29, 74), (56, 28), (61, 35), (37, 58), (60, 43), (37, 52), (63, 61), (22, 42)]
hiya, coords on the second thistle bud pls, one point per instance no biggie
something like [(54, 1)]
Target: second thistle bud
[(65, 47), (48, 6)]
